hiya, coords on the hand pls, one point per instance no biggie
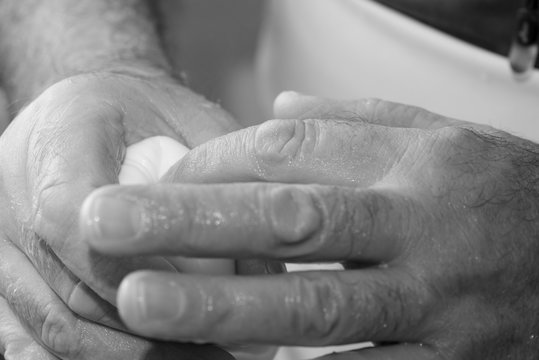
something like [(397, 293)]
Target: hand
[(36, 324), (436, 221), (66, 143)]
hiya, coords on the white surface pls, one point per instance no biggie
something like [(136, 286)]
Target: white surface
[(358, 48)]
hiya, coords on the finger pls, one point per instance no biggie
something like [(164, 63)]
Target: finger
[(67, 336), (286, 222), (310, 308), (74, 293), (292, 105), (79, 149), (15, 342), (145, 163), (392, 352), (300, 151)]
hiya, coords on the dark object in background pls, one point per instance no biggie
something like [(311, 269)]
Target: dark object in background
[(259, 267), (523, 53), (489, 24)]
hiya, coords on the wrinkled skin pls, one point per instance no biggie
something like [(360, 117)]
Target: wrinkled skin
[(436, 221), (66, 143)]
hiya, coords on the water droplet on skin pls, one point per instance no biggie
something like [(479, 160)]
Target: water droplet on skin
[(153, 157)]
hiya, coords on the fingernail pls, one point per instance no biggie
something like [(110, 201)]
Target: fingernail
[(294, 215), (156, 301), (114, 220), (292, 105)]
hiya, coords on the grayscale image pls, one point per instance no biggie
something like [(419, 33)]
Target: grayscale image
[(269, 179)]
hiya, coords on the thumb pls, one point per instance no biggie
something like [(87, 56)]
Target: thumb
[(194, 117), (70, 150), (293, 105)]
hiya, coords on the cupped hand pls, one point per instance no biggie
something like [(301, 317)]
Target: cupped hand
[(436, 221), (68, 142)]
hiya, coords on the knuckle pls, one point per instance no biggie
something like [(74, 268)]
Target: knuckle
[(461, 138), (390, 318), (319, 296), (453, 133), (51, 101), (368, 224), (352, 221), (296, 220), (402, 306), (455, 146), (59, 333), (278, 143)]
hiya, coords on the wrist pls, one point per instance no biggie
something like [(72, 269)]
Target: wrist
[(65, 38)]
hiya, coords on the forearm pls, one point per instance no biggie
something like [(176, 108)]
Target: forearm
[(42, 42)]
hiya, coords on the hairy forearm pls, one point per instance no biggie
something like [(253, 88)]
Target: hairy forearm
[(42, 42)]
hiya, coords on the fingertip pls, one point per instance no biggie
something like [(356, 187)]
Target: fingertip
[(127, 299), (153, 304), (88, 218), (108, 222), (286, 96), (290, 104)]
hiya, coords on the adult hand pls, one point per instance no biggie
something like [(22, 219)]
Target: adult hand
[(66, 143), (436, 221), (36, 324)]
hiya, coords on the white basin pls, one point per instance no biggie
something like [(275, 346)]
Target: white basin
[(358, 48)]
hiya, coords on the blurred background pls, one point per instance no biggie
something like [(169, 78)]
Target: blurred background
[(218, 61)]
